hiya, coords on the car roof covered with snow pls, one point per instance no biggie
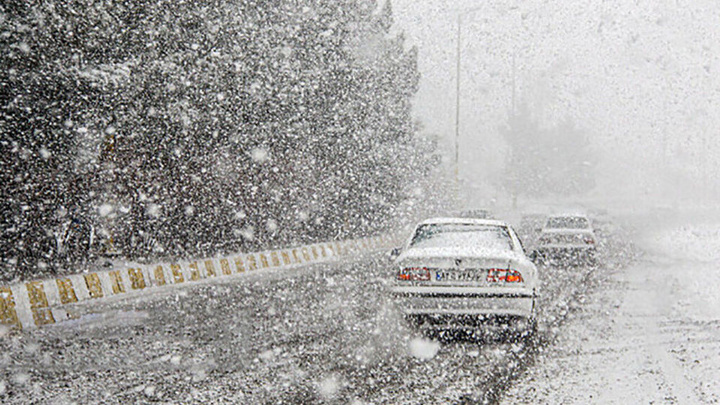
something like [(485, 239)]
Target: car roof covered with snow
[(470, 221), (568, 223), (564, 214)]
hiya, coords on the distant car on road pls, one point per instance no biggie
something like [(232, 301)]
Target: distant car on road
[(530, 227), (477, 213), (567, 239), (466, 274)]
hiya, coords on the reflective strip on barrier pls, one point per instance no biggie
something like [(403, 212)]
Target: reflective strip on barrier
[(8, 315), (159, 274), (36, 294), (137, 280), (239, 265), (66, 290), (251, 263), (116, 282), (210, 269), (177, 274), (194, 271), (225, 267), (263, 261), (39, 303), (43, 316), (92, 281), (306, 254), (285, 258)]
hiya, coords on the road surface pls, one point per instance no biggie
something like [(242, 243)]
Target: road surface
[(325, 333), (651, 335)]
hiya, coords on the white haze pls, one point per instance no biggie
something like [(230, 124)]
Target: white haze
[(643, 76)]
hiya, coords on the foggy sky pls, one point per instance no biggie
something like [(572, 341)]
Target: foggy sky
[(643, 76)]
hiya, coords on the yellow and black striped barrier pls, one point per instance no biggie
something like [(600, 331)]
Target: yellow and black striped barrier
[(37, 303)]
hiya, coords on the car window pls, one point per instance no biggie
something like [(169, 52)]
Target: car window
[(565, 238), (568, 223), (460, 235)]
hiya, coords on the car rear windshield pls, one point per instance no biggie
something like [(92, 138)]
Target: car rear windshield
[(568, 223), (574, 238), (462, 235)]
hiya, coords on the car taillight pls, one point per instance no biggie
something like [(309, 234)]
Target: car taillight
[(504, 275), (414, 274), (513, 276)]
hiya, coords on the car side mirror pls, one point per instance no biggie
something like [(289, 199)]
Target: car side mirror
[(394, 253)]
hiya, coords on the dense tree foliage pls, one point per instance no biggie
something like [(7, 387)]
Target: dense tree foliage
[(170, 128)]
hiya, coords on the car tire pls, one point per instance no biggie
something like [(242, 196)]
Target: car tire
[(530, 333), (528, 336)]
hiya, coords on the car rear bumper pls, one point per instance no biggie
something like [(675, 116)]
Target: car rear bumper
[(567, 252), (479, 303), (471, 323)]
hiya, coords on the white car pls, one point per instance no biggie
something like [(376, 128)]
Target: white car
[(567, 238), (466, 274)]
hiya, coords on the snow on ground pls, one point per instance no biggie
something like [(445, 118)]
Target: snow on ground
[(694, 251), (323, 333), (652, 335)]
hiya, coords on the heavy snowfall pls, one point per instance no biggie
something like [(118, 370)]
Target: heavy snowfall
[(143, 142)]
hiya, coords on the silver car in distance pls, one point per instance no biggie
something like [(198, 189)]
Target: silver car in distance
[(567, 239), (466, 274)]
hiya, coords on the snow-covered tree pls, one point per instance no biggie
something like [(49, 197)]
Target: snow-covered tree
[(184, 128)]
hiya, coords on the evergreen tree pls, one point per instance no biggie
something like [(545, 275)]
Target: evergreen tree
[(178, 128)]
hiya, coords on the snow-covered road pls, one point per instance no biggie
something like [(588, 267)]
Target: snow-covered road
[(650, 335), (325, 333)]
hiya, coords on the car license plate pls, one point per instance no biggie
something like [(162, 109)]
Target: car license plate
[(462, 275)]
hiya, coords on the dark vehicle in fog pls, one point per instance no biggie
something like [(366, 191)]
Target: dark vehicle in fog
[(567, 239), (478, 213)]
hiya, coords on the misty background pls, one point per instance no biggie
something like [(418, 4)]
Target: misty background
[(640, 80)]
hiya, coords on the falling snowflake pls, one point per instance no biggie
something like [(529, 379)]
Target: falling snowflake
[(105, 210), (260, 155), (424, 349), (329, 387), (153, 210), (271, 225)]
